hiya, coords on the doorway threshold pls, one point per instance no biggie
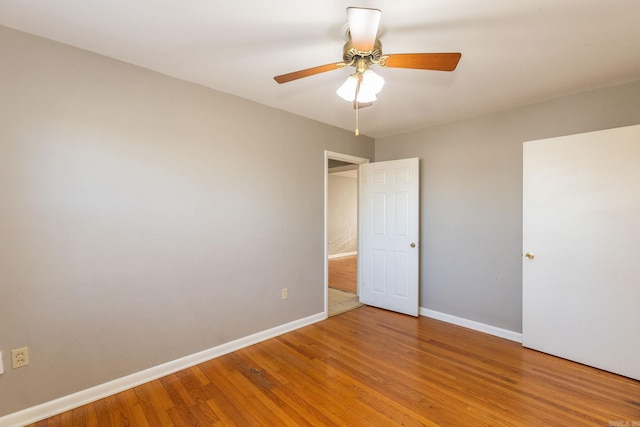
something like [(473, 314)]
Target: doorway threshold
[(340, 301)]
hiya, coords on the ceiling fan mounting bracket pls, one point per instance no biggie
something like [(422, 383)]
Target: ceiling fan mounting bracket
[(346, 31)]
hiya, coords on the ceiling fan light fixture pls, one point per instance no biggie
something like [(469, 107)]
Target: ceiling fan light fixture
[(371, 82), (365, 98), (370, 86), (348, 89)]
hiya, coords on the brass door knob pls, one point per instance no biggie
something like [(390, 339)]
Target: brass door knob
[(413, 245), (529, 255)]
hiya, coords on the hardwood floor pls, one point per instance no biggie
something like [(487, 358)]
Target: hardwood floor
[(377, 368), (343, 273)]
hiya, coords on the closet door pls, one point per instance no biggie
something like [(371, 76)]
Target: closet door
[(581, 248)]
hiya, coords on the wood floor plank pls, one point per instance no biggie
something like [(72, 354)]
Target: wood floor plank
[(192, 381), (100, 409), (307, 387), (374, 367), (155, 416), (66, 418)]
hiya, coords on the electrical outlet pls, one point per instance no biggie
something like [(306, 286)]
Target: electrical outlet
[(285, 293), (20, 357)]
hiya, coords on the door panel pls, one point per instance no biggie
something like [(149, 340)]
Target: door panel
[(581, 227), (389, 252)]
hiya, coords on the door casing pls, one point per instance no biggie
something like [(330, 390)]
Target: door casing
[(343, 158)]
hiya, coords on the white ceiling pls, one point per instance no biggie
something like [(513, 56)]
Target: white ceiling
[(514, 52)]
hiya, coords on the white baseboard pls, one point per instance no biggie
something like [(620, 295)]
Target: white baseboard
[(65, 403), (471, 324), (343, 254)]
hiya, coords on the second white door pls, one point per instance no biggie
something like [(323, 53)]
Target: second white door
[(581, 234), (389, 252)]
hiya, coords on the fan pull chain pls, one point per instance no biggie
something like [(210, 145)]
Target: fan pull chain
[(356, 104), (357, 109)]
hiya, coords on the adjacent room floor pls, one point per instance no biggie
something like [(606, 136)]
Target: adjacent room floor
[(340, 301), (343, 284)]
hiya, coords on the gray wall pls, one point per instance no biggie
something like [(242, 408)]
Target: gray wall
[(471, 197), (342, 213), (143, 218)]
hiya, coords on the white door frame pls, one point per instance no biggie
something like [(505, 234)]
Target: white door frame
[(343, 158)]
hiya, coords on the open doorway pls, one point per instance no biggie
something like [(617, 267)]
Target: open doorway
[(341, 233)]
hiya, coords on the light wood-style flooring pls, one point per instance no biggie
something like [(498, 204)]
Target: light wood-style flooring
[(340, 301), (343, 284), (343, 273), (371, 367)]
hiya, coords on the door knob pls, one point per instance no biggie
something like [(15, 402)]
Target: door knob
[(529, 255), (413, 245)]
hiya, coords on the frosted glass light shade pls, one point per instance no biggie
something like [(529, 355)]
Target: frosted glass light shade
[(371, 85), (348, 89)]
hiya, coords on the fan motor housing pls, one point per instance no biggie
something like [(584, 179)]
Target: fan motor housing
[(350, 54)]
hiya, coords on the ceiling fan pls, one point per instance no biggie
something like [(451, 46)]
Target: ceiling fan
[(364, 49)]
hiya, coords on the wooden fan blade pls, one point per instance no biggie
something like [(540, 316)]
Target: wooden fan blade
[(363, 27), (423, 61), (284, 78)]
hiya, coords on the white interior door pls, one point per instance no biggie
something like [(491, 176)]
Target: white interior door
[(389, 246), (581, 228)]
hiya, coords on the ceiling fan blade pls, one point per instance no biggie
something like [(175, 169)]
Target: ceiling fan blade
[(422, 61), (363, 26), (284, 78)]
